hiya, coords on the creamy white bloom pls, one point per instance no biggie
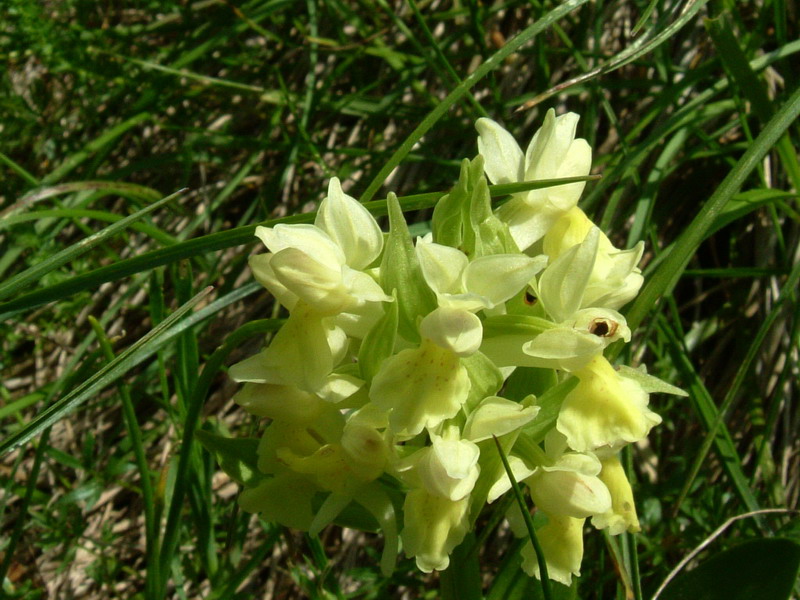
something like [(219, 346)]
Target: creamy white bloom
[(553, 153), (420, 387), (485, 282), (497, 416), (323, 264), (447, 468), (615, 278), (605, 410), (570, 487), (434, 526)]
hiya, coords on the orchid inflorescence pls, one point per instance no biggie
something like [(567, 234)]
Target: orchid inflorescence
[(400, 362)]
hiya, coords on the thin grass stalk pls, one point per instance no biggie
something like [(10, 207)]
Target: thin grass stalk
[(195, 403), (544, 579), (135, 435), (19, 524), (788, 291), (226, 239), (437, 113), (670, 270)]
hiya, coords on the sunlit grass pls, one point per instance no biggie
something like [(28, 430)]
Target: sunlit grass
[(252, 106)]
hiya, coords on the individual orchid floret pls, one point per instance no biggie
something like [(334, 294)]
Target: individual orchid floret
[(496, 416), (553, 153), (421, 387), (622, 515), (364, 443), (351, 227), (570, 487), (447, 468), (573, 343), (561, 539), (433, 527), (615, 277), (302, 354), (323, 264), (299, 436), (605, 410), (453, 329), (483, 283)]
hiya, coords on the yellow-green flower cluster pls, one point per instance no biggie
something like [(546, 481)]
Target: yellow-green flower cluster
[(388, 380)]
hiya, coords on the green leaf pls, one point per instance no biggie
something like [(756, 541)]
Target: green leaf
[(145, 347), (378, 344), (400, 272), (484, 377), (550, 403), (238, 457), (21, 280), (529, 380), (668, 273), (447, 222), (650, 384), (462, 579), (762, 568)]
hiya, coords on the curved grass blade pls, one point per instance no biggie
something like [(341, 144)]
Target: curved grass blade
[(113, 187), (639, 48), (788, 291), (98, 215), (222, 240), (494, 61), (148, 345), (75, 160), (664, 279), (20, 280), (708, 413), (684, 116), (196, 400), (135, 437)]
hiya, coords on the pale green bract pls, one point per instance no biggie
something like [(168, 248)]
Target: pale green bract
[(409, 425)]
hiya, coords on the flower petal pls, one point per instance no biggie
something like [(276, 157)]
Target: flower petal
[(501, 154), (350, 226), (454, 329), (604, 410), (498, 277), (421, 387)]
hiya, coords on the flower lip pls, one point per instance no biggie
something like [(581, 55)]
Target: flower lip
[(603, 327)]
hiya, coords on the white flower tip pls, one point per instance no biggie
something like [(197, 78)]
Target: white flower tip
[(334, 187)]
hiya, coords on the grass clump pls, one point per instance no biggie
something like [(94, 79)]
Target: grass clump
[(252, 107)]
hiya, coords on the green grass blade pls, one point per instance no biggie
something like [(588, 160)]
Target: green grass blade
[(135, 436), (789, 290), (81, 213), (140, 350), (111, 187), (74, 161), (671, 269), (220, 241), (197, 398), (18, 169), (20, 280), (734, 59), (661, 33), (708, 413), (493, 62)]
